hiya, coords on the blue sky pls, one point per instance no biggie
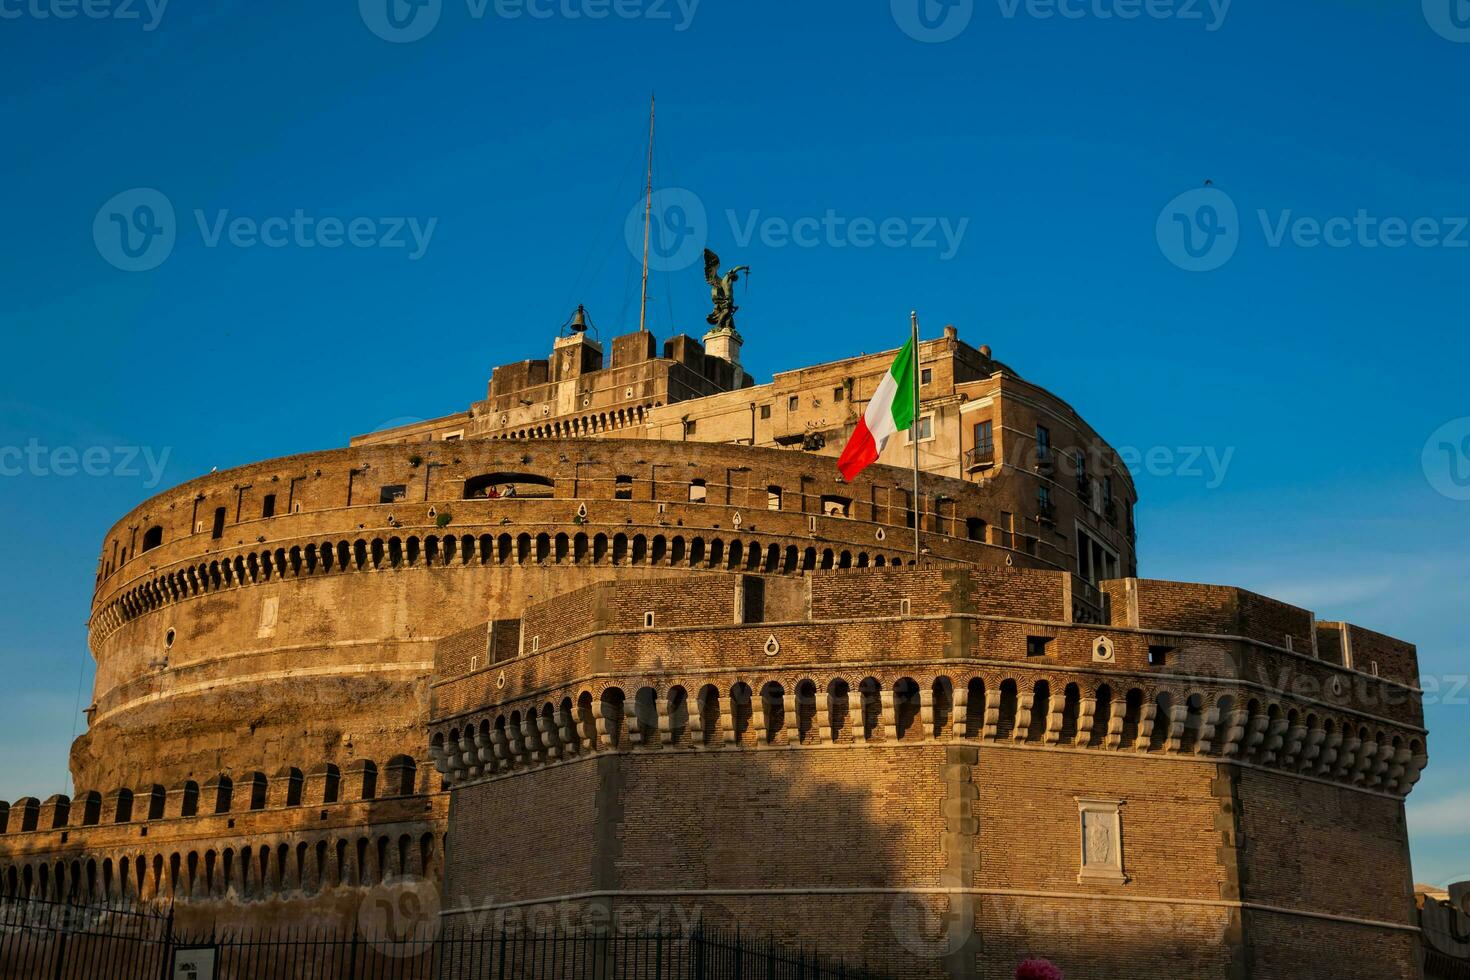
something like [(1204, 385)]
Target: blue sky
[(1053, 149)]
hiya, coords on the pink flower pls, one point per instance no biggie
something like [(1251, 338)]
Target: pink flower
[(1038, 970)]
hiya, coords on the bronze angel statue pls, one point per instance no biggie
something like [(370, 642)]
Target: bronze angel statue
[(722, 291)]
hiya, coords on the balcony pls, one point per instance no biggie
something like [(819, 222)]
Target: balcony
[(980, 458), (1045, 462)]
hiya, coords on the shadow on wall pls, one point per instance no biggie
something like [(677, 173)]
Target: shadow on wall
[(849, 850)]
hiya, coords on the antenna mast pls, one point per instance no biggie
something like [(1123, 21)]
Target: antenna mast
[(647, 220)]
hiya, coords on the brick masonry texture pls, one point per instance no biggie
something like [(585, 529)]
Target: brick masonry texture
[(618, 637), (898, 775)]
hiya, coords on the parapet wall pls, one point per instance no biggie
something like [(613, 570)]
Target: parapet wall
[(238, 840), (896, 763)]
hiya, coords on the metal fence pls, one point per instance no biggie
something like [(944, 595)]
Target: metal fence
[(58, 941)]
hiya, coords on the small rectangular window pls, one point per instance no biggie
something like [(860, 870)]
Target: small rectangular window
[(837, 394), (698, 492), (1159, 656), (984, 436), (268, 506), (219, 523), (392, 493), (765, 411), (773, 498), (925, 428), (1107, 489), (1043, 442), (975, 529), (792, 403), (623, 488), (1036, 645), (753, 599), (926, 376), (690, 426)]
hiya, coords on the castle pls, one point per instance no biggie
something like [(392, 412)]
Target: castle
[(618, 636)]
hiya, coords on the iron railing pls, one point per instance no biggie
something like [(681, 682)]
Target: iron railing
[(60, 941)]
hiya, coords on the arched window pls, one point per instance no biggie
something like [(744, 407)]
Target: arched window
[(494, 485), (834, 506), (153, 537)]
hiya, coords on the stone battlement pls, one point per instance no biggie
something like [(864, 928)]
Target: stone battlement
[(988, 655)]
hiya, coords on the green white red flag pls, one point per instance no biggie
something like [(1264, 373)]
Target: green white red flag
[(890, 411)]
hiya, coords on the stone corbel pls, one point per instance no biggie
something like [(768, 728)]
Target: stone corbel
[(545, 731), (567, 730), (505, 751), (1148, 714), (1294, 738), (961, 711), (991, 730), (1053, 733), (1115, 725), (1275, 738), (1086, 712), (1024, 703), (824, 716), (1349, 756), (1255, 736), (1208, 727), (1330, 746)]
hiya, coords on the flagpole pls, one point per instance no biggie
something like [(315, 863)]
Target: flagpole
[(914, 433), (647, 219)]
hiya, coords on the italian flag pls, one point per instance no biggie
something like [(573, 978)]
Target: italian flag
[(891, 410)]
